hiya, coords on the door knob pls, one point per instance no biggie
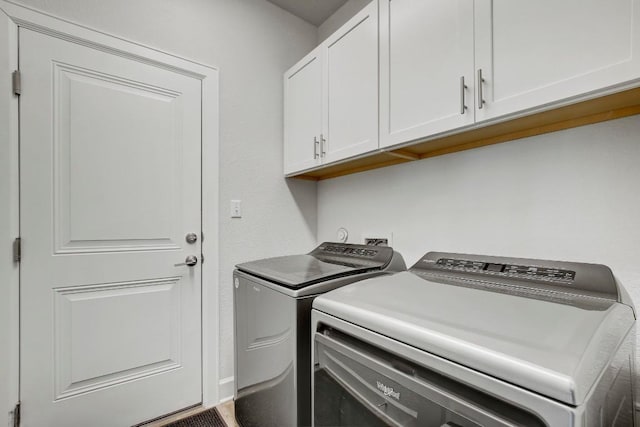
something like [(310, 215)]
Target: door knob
[(190, 261), (191, 238)]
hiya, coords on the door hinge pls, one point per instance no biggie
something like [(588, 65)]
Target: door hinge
[(17, 249), (16, 415), (16, 82)]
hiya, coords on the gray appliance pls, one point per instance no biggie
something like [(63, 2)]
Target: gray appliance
[(272, 323), (467, 340)]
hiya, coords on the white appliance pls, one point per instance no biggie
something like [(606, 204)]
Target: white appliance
[(467, 340)]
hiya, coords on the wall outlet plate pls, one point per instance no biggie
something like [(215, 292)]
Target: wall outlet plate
[(377, 239)]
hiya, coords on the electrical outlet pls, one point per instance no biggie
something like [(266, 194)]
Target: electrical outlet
[(376, 241), (377, 238)]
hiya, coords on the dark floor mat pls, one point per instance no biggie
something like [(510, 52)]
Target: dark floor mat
[(208, 418)]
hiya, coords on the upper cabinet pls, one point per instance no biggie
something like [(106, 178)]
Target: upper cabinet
[(303, 113), (447, 64), (331, 97), (533, 53), (457, 74), (351, 90), (426, 68)]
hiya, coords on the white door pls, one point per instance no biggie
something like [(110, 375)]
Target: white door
[(110, 185), (532, 53), (426, 60), (351, 88), (303, 107)]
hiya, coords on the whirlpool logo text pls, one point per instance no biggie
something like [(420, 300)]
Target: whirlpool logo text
[(388, 391)]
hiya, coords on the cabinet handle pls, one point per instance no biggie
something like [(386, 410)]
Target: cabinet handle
[(322, 145), (315, 147), (480, 82), (463, 87)]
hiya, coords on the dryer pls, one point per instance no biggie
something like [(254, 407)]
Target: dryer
[(468, 340), (272, 324)]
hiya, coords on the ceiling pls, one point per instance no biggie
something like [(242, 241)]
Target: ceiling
[(313, 11)]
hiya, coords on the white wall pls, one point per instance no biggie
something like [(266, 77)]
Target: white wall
[(252, 42), (566, 195), (569, 195), (339, 17)]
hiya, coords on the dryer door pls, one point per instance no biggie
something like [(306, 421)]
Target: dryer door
[(357, 384)]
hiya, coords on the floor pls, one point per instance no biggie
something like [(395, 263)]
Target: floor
[(228, 413), (225, 409)]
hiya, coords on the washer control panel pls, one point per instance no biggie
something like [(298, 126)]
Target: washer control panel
[(350, 251), (355, 256)]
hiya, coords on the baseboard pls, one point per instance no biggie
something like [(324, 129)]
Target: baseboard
[(226, 389)]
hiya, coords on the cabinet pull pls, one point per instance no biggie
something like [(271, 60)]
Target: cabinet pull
[(322, 145), (463, 87), (479, 83), (315, 147)]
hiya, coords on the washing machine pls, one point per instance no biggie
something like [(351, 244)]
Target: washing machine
[(272, 324), (467, 340)]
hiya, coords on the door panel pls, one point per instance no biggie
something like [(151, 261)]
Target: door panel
[(534, 53), (352, 87), (303, 113), (94, 187), (110, 185), (87, 346), (426, 47)]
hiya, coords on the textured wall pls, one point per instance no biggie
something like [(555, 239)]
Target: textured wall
[(566, 195), (252, 42)]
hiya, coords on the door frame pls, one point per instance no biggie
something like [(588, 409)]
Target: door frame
[(13, 16)]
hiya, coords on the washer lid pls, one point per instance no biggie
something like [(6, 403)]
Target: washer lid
[(552, 348), (327, 261)]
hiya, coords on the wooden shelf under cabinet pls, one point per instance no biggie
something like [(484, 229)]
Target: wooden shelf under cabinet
[(609, 107)]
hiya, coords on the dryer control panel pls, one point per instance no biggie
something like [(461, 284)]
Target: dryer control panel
[(507, 270), (527, 275)]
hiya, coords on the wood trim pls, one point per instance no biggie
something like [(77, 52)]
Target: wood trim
[(528, 132), (403, 154), (608, 107), (373, 161), (306, 177)]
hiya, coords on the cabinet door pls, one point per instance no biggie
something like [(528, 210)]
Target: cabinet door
[(303, 113), (426, 48), (533, 53), (351, 61)]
